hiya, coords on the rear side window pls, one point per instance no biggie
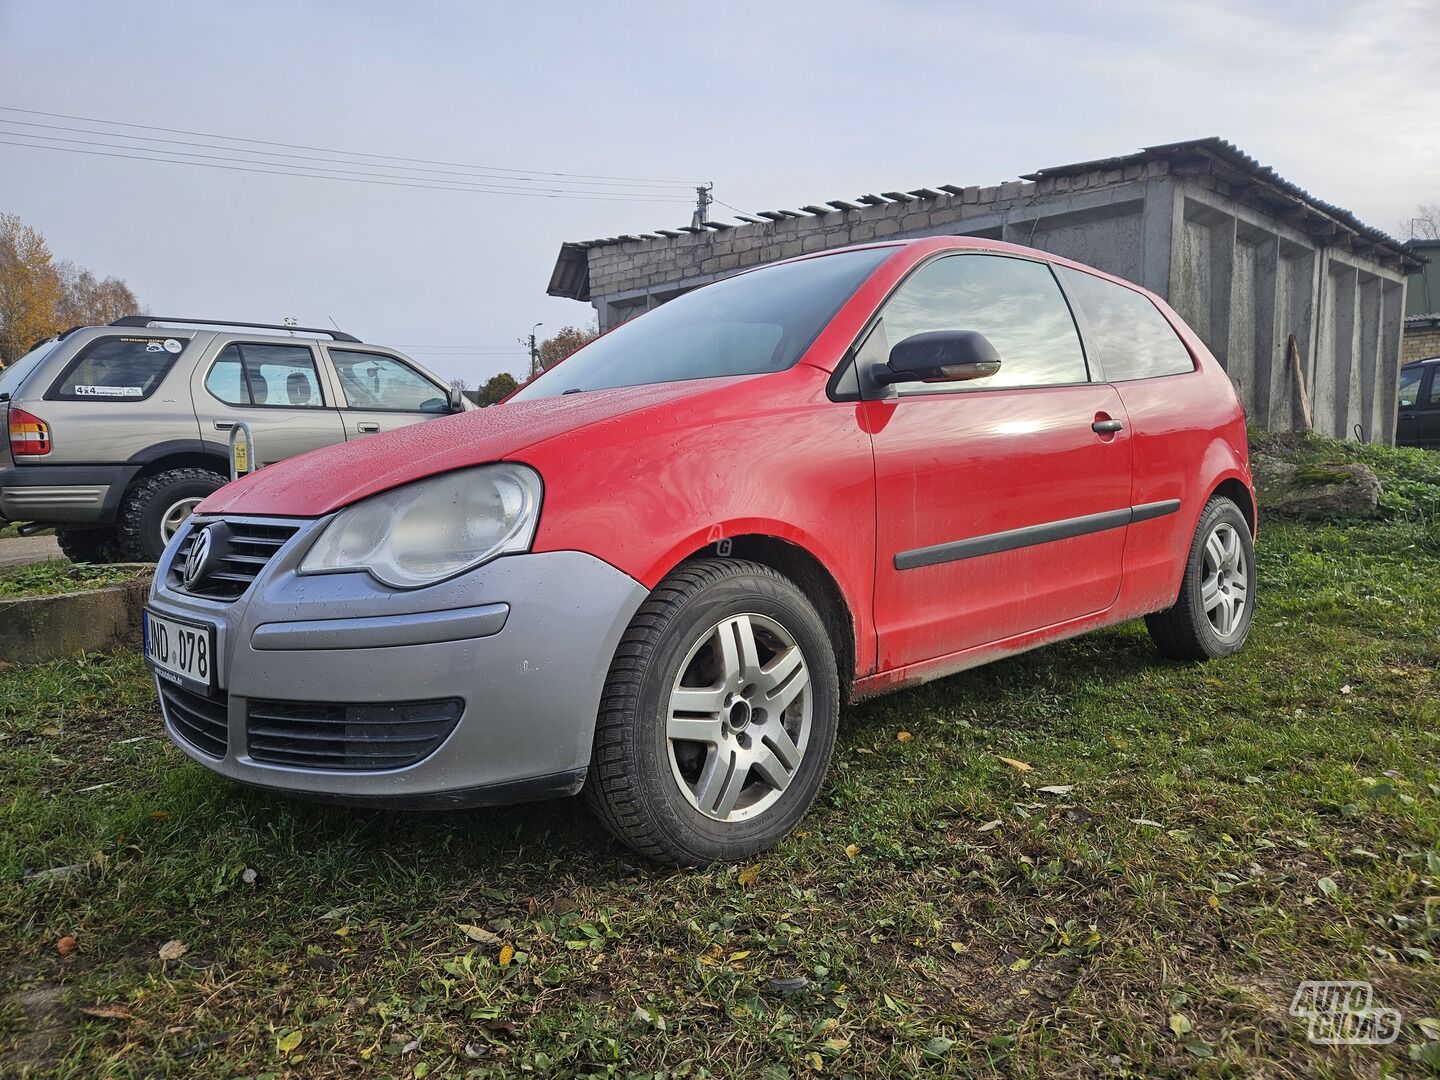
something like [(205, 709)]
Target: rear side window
[(1126, 332), (118, 368), (273, 375)]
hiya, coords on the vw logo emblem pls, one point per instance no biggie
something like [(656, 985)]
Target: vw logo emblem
[(197, 558)]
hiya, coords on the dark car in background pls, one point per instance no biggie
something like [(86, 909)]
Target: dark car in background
[(1419, 423)]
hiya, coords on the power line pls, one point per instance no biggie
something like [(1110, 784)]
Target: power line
[(354, 177), (348, 153), (587, 184)]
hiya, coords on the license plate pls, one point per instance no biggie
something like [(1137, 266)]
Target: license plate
[(180, 651)]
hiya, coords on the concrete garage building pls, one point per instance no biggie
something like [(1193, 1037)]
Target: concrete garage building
[(1247, 257)]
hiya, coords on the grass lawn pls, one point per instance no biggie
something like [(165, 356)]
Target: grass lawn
[(1212, 836)]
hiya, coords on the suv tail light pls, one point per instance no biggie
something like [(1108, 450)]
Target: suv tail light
[(28, 433)]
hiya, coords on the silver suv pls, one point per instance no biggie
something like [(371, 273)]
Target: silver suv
[(117, 432)]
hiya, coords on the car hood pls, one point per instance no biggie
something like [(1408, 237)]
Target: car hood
[(324, 480)]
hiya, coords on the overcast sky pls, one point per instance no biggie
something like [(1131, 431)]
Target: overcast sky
[(779, 104)]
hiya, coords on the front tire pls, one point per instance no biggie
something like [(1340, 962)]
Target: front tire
[(89, 545), (718, 718), (1211, 618), (158, 505)]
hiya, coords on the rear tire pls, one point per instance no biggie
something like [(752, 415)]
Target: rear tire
[(1211, 618), (89, 545), (732, 653), (158, 500)]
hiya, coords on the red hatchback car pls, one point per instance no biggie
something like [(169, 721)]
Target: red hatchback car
[(659, 569)]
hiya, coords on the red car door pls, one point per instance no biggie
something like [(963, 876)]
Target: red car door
[(1002, 502)]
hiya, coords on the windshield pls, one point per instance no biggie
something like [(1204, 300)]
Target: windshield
[(757, 322), (14, 374)]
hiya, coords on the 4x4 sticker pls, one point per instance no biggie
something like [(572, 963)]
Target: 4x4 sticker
[(109, 391)]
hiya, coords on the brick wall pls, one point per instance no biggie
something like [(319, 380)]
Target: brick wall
[(1420, 343)]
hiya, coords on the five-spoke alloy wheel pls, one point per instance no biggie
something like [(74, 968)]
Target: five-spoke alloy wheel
[(1211, 616), (718, 717), (739, 717)]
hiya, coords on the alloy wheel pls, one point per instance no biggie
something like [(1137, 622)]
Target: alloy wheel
[(739, 717), (177, 514), (1225, 586)]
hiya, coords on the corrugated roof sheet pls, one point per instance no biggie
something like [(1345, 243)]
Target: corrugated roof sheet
[(571, 276)]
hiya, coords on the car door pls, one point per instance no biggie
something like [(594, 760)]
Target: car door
[(274, 386), (1419, 423), (1001, 501), (380, 391)]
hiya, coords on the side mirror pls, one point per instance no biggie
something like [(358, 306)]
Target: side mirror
[(456, 399), (939, 356)]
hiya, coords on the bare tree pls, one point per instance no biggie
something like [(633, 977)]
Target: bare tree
[(1424, 225), (88, 301), (458, 383)]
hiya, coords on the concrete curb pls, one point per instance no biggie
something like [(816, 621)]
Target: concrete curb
[(38, 628)]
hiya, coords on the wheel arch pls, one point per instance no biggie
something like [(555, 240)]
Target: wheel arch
[(179, 454), (809, 574)]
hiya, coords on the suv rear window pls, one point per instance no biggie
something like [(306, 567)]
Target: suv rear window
[(118, 368), (1132, 338)]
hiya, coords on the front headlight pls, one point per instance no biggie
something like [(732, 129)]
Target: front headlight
[(432, 529)]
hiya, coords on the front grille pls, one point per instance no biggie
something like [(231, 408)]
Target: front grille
[(312, 735), (239, 551), (199, 719)]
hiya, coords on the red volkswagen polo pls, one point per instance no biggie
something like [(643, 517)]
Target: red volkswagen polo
[(657, 571)]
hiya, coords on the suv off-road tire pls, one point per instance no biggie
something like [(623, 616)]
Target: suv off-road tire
[(145, 504), (89, 545), (1184, 631), (630, 786)]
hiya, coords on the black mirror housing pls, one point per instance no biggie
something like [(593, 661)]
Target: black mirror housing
[(939, 356)]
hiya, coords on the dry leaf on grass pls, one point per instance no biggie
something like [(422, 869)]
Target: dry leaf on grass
[(173, 949), (478, 933), (108, 1012), (66, 945), (1018, 766)]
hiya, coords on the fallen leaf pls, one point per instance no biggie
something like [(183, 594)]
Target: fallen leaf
[(108, 1012), (851, 851), (1057, 789), (1214, 902), (816, 1061), (748, 875), (989, 826), (939, 1046), (1429, 1027), (421, 1069), (478, 933), (1346, 689), (66, 945), (1022, 964), (958, 946), (1146, 821), (289, 1042), (1327, 887), (903, 736), (1018, 766), (740, 955), (507, 953), (505, 1027), (173, 949), (248, 876), (410, 1047), (1179, 1024), (159, 815)]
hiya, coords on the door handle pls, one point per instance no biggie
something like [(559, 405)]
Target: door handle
[(366, 426), (224, 425), (1107, 427)]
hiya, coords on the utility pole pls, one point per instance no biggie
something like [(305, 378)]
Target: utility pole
[(534, 352), (703, 200)]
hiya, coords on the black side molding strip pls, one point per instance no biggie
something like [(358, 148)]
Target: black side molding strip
[(1031, 535)]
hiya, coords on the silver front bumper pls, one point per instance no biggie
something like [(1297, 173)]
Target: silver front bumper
[(524, 641)]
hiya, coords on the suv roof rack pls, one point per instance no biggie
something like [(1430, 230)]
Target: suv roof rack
[(150, 320)]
